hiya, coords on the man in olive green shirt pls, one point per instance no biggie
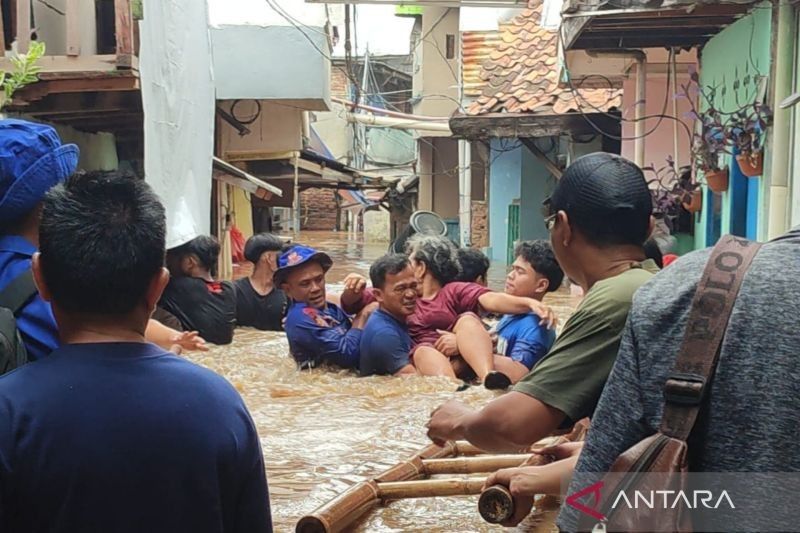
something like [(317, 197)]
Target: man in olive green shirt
[(599, 216)]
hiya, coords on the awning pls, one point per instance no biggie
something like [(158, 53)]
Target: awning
[(357, 201), (239, 178), (647, 23)]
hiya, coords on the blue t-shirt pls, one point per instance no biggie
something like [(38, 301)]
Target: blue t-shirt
[(321, 335), (385, 345), (523, 339), (126, 437), (35, 320)]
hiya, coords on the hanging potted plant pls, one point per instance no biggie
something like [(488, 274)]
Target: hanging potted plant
[(673, 192), (706, 147), (746, 133)]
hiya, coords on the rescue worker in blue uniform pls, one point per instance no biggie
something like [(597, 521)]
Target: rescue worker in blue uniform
[(318, 330)]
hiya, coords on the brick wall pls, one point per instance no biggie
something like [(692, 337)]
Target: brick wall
[(318, 209), (480, 224), (338, 82)]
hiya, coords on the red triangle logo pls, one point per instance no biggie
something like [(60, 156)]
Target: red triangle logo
[(592, 511)]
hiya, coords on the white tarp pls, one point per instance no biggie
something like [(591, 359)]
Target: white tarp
[(178, 99)]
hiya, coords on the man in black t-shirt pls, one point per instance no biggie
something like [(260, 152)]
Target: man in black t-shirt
[(259, 304), (193, 296)]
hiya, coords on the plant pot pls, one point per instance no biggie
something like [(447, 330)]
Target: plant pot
[(717, 179), (695, 203), (751, 164)]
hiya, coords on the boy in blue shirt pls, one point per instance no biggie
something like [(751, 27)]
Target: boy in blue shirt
[(521, 340), (319, 331), (385, 343), (109, 432)]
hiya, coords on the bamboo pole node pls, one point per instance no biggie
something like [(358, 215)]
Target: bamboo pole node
[(496, 505)]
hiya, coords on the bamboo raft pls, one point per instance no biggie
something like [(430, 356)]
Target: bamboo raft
[(411, 479)]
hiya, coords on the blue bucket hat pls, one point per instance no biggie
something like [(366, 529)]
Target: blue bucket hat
[(299, 255), (32, 161)]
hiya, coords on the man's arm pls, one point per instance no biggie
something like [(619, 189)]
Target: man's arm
[(499, 302), (166, 337), (341, 349), (507, 424)]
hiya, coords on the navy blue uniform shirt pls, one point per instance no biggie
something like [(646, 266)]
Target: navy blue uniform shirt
[(127, 438), (322, 335), (385, 345)]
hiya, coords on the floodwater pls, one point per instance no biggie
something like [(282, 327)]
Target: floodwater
[(324, 431)]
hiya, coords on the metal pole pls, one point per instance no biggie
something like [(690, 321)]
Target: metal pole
[(296, 207), (641, 111), (676, 143)]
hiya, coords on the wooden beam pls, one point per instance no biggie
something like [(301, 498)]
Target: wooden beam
[(256, 155), (73, 28), (23, 26), (530, 144), (53, 64), (518, 125), (2, 37), (124, 32)]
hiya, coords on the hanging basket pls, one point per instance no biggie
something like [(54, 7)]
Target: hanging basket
[(751, 164), (695, 203), (717, 179)]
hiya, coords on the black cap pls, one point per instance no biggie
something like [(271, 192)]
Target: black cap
[(606, 197)]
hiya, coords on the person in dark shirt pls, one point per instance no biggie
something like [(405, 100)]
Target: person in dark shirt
[(259, 304), (385, 343), (474, 266), (319, 331), (193, 296), (110, 433)]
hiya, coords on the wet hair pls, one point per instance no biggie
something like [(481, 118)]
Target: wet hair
[(389, 264), (102, 239), (652, 251), (539, 254), (474, 264), (439, 255), (258, 244), (205, 247), (607, 200)]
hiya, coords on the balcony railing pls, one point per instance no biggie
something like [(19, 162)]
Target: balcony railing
[(75, 58)]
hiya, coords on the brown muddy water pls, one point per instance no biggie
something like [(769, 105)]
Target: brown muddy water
[(324, 431)]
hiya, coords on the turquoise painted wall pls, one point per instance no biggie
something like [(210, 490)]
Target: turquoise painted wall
[(732, 62), (537, 184)]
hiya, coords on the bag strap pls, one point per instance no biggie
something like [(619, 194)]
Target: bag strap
[(18, 292), (712, 304)]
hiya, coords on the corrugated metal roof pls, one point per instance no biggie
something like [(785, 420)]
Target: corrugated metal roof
[(475, 49)]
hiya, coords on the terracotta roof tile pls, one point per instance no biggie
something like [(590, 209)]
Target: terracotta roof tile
[(518, 71)]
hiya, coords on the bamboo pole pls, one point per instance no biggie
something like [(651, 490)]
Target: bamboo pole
[(430, 488), (472, 465), (342, 511), (496, 505)]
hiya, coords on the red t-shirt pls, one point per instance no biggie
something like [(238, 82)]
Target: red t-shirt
[(440, 312)]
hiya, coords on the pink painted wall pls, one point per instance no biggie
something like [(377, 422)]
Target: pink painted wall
[(659, 144)]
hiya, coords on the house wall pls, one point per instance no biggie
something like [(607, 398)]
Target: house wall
[(445, 179), (433, 73), (661, 142), (537, 184), (741, 50), (242, 211), (505, 178), (279, 128), (51, 26), (318, 209)]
